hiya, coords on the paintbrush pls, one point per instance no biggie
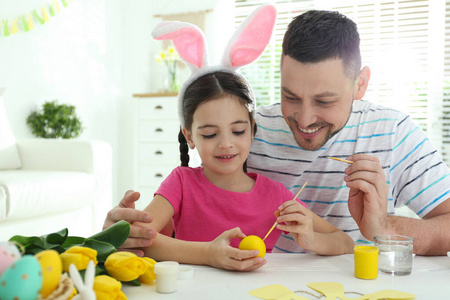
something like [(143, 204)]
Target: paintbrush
[(343, 160)]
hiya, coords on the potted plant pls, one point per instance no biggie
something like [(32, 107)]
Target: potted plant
[(55, 121)]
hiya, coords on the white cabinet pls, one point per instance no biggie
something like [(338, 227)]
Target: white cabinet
[(156, 147)]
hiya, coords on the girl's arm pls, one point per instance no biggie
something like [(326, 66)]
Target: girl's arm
[(311, 232), (330, 240), (217, 253)]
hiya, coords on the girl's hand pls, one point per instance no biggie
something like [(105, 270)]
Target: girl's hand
[(223, 256), (298, 220)]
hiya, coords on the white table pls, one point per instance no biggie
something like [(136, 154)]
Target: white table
[(430, 279)]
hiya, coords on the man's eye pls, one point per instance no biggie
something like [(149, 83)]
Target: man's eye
[(289, 98), (239, 132), (325, 103), (209, 136)]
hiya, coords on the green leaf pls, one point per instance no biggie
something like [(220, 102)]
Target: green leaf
[(35, 244), (116, 234), (72, 241), (135, 282)]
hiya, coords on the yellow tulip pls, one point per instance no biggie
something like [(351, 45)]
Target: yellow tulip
[(125, 266), (149, 276), (79, 256), (108, 288)]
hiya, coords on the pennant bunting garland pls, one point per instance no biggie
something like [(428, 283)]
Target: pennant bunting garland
[(27, 21)]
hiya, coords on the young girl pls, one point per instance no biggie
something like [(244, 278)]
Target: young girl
[(216, 205)]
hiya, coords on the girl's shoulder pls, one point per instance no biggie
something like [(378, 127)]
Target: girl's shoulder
[(187, 170), (266, 182), (187, 173)]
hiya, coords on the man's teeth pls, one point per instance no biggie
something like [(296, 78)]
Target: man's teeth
[(306, 130)]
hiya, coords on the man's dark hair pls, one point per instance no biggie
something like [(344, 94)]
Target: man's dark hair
[(318, 35)]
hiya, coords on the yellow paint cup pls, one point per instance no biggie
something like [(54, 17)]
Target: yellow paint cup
[(366, 262)]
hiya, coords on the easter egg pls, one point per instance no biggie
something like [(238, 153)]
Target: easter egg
[(51, 266), (6, 259), (12, 249), (253, 242), (21, 280)]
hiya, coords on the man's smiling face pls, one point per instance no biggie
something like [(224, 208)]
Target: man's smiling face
[(316, 99)]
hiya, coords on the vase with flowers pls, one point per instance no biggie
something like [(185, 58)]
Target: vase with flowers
[(170, 58)]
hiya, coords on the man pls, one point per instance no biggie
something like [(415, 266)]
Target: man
[(321, 115)]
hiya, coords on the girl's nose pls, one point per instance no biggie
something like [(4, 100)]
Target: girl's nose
[(225, 142)]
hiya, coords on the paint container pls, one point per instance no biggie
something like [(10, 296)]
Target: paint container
[(166, 277), (366, 262)]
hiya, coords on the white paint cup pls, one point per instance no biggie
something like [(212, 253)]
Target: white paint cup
[(166, 277)]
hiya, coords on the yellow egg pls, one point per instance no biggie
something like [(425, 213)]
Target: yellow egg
[(253, 242), (51, 266)]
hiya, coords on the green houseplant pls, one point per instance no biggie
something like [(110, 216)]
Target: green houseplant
[(55, 121)]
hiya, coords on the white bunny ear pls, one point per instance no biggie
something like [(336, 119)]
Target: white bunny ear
[(187, 38), (251, 38), (76, 277), (89, 275)]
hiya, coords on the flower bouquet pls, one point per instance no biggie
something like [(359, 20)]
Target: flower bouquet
[(47, 260), (170, 58)]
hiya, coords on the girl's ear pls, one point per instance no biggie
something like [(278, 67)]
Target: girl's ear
[(188, 136), (253, 129)]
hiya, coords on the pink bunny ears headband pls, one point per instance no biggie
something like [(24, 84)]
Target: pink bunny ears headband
[(244, 47)]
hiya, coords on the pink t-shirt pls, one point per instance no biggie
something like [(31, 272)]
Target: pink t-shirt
[(203, 211)]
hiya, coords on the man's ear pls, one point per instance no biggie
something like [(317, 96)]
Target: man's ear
[(188, 136), (362, 83)]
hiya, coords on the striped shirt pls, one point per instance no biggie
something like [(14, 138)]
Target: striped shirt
[(414, 171)]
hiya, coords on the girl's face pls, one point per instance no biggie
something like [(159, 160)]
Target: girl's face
[(222, 132)]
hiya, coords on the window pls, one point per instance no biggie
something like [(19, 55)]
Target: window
[(406, 44)]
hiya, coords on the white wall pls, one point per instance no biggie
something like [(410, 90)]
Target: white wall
[(73, 58), (142, 74), (95, 55)]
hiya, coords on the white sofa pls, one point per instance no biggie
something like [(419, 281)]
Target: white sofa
[(61, 184)]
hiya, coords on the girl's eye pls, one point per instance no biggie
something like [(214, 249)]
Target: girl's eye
[(239, 132), (209, 136)]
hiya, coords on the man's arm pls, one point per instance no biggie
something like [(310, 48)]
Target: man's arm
[(431, 234)]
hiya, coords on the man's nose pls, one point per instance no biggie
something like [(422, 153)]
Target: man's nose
[(305, 116)]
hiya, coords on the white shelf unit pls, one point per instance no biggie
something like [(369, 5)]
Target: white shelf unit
[(156, 147)]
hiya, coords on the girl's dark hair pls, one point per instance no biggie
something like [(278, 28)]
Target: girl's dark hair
[(210, 87), (318, 35)]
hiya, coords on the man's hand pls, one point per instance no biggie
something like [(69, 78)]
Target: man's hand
[(368, 196), (140, 236)]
